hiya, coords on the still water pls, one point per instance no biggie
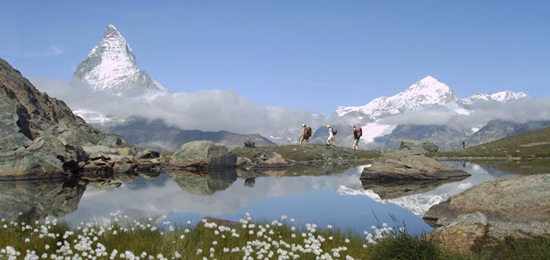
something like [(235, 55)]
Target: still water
[(338, 199)]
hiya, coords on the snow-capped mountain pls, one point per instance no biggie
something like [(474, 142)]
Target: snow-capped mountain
[(429, 110), (503, 96), (111, 66), (427, 91)]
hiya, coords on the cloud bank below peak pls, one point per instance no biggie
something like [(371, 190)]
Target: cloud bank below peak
[(207, 110)]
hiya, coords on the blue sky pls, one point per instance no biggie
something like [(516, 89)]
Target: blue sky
[(314, 55)]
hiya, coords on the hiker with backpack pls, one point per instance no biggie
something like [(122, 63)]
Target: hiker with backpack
[(331, 135), (306, 134), (357, 133)]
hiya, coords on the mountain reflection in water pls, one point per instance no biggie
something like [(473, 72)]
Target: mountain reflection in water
[(319, 197)]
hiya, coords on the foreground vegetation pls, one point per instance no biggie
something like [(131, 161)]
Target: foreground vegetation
[(528, 145), (122, 238)]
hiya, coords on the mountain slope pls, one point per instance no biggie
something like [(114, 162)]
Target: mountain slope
[(498, 129), (39, 135), (156, 134), (445, 137), (528, 145), (111, 66)]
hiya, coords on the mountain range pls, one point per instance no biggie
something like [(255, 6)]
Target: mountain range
[(428, 110)]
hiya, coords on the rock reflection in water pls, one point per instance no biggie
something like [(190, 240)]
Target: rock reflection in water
[(249, 182), (204, 183), (37, 199), (397, 189)]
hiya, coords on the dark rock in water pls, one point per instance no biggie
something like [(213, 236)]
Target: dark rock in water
[(418, 146), (404, 166), (516, 206), (204, 184), (249, 182), (40, 137), (147, 154), (206, 153), (37, 199), (398, 189)]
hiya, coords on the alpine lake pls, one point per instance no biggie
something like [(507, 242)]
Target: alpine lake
[(338, 198)]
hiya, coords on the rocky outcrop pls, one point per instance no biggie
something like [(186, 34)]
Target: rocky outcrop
[(405, 166), (40, 137), (205, 154), (516, 206), (418, 147)]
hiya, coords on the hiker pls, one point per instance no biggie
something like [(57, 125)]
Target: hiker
[(357, 133), (306, 133), (463, 145), (331, 133)]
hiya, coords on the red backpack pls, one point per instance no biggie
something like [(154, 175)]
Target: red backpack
[(360, 131)]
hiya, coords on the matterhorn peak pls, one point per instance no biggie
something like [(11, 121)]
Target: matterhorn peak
[(111, 66), (111, 31)]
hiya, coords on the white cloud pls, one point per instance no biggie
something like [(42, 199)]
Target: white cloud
[(519, 111), (207, 110)]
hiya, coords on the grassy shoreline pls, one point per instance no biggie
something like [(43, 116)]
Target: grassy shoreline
[(123, 238)]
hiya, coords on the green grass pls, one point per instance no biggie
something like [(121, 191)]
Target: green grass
[(524, 167), (201, 241), (309, 153), (404, 247), (533, 144)]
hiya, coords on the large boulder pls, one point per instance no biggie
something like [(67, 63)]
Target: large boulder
[(419, 147), (461, 234), (205, 153), (269, 160), (405, 166), (515, 206)]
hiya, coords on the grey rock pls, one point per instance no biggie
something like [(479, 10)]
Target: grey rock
[(460, 235), (147, 154), (204, 152), (405, 166), (40, 137), (515, 206), (269, 160), (418, 146)]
